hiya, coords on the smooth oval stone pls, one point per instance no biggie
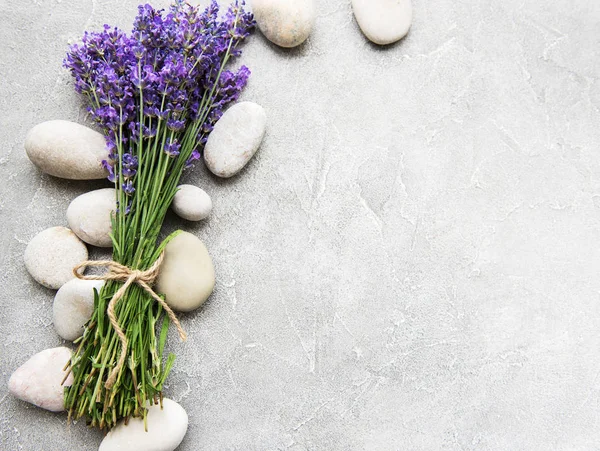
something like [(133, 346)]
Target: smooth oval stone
[(89, 216), (73, 307), (187, 274), (235, 139), (67, 150), (52, 254), (191, 203), (286, 23), (166, 429), (383, 21), (38, 381)]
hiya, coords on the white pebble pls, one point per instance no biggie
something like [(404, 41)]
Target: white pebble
[(52, 254), (89, 216), (286, 23), (191, 203), (73, 307), (166, 429), (67, 150), (38, 381), (187, 275), (235, 139), (383, 21)]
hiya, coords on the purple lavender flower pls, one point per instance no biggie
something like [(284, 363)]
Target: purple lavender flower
[(193, 157), (163, 80), (175, 125), (172, 147), (127, 207), (112, 150), (129, 166), (128, 187), (111, 171)]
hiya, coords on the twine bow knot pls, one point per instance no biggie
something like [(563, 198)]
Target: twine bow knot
[(121, 273)]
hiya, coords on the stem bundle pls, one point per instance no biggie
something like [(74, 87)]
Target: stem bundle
[(157, 95)]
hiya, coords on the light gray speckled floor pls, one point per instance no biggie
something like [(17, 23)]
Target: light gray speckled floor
[(411, 261)]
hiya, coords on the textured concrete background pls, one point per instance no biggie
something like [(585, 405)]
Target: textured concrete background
[(410, 262)]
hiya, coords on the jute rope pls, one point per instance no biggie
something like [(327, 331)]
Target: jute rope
[(144, 279)]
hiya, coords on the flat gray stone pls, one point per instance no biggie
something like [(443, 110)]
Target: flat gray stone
[(73, 306), (38, 380), (166, 428), (287, 23), (187, 275), (52, 254), (192, 203), (89, 216), (383, 21), (235, 139), (67, 150)]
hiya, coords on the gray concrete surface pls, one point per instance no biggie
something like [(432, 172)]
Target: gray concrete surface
[(411, 262)]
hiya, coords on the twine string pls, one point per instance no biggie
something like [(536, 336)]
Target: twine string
[(143, 278)]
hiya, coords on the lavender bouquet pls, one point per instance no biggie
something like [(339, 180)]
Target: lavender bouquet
[(156, 93)]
